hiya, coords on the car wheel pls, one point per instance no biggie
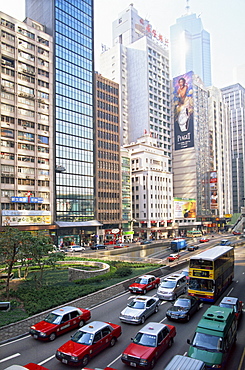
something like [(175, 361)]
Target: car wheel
[(174, 297), (156, 286), (156, 309), (113, 341), (170, 343), (81, 323), (52, 336), (142, 319), (152, 363), (144, 291), (85, 361)]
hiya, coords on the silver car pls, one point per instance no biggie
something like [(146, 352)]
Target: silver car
[(139, 309), (172, 286)]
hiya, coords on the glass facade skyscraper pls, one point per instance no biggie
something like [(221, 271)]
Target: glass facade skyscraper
[(70, 22)]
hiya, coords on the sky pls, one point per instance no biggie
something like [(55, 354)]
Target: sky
[(223, 19)]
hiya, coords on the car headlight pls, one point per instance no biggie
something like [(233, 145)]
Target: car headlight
[(43, 334), (124, 356), (58, 353), (74, 358), (143, 361)]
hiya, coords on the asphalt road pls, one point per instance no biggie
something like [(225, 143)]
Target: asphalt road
[(27, 349)]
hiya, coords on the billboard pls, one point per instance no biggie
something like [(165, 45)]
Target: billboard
[(213, 190), (183, 111), (184, 208)]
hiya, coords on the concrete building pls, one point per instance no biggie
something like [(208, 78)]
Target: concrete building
[(71, 25), (234, 97), (108, 207), (152, 194), (191, 152), (220, 156), (190, 47), (26, 125)]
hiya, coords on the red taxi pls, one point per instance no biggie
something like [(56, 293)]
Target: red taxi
[(88, 342), (144, 283), (60, 321), (30, 366), (148, 345), (173, 257), (204, 239)]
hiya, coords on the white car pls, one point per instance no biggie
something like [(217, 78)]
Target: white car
[(75, 248)]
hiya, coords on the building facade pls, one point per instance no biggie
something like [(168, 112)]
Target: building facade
[(234, 97), (190, 47), (26, 125), (71, 25)]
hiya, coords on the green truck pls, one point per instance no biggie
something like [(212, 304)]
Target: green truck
[(214, 337)]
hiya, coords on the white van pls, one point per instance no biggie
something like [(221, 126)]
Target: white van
[(179, 362), (172, 286)]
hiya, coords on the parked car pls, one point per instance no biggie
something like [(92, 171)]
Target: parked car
[(120, 245), (30, 366), (75, 248), (148, 345), (144, 283), (183, 308), (233, 302), (88, 342), (60, 321), (172, 286), (139, 309), (99, 246), (204, 239), (173, 257), (145, 242), (192, 248)]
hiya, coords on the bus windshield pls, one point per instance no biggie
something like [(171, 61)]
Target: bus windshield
[(201, 264), (204, 285)]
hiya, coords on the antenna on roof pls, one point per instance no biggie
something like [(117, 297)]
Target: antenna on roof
[(187, 7)]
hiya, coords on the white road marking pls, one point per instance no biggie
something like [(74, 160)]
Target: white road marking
[(10, 357), (102, 304), (111, 363), (230, 291), (163, 319), (47, 359), (13, 341)]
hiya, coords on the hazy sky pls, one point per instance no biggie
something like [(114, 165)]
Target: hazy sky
[(223, 19)]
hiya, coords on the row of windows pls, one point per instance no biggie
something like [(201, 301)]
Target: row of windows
[(136, 188), (26, 206), (108, 146), (11, 180), (20, 193), (108, 165), (107, 107), (108, 88), (107, 126), (157, 215), (107, 116), (107, 136), (157, 205), (106, 205), (24, 136), (104, 194), (108, 175), (156, 178), (108, 185), (107, 97), (108, 216)]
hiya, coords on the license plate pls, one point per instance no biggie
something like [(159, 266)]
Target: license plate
[(132, 364), (64, 361), (35, 336)]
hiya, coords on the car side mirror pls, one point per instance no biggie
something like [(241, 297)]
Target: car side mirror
[(188, 341), (132, 338)]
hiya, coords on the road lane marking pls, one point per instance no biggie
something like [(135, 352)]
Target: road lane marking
[(16, 340), (47, 359), (230, 291), (10, 357), (102, 304), (163, 319), (111, 363)]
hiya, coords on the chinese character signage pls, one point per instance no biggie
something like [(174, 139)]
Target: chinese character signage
[(14, 218), (183, 111)]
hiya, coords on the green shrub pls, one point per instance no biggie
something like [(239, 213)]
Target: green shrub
[(123, 271)]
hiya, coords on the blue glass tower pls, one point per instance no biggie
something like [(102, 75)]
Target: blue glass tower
[(190, 48), (70, 22)]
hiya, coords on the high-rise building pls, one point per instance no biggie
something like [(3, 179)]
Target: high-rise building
[(191, 152), (26, 125), (107, 157), (190, 48), (220, 156), (234, 97), (71, 25)]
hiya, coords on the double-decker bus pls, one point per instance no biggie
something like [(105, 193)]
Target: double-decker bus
[(210, 272), (193, 233)]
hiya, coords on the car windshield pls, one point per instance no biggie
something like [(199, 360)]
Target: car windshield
[(52, 318), (227, 305), (183, 303), (168, 284), (136, 304), (145, 340), (208, 342), (141, 281), (83, 337)]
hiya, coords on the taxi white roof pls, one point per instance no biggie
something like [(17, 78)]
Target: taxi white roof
[(94, 326), (152, 328), (66, 309)]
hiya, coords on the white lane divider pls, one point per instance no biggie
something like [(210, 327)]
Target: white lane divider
[(10, 357)]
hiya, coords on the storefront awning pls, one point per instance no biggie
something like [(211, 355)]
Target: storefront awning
[(78, 224)]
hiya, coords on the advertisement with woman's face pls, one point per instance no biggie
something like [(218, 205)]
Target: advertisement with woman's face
[(183, 111)]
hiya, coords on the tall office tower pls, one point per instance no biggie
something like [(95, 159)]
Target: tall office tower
[(71, 25), (26, 125), (234, 96), (190, 47), (141, 68), (107, 157), (152, 191), (220, 156), (191, 154)]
